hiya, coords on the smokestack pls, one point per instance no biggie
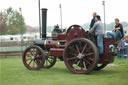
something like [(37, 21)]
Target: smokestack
[(44, 22)]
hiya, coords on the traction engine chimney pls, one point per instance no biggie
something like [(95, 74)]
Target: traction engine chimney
[(44, 23)]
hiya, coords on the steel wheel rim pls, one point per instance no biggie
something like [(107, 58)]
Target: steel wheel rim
[(33, 58), (84, 63)]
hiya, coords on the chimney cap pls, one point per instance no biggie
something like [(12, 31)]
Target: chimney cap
[(44, 9)]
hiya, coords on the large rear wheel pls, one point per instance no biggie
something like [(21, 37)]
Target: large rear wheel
[(81, 56)]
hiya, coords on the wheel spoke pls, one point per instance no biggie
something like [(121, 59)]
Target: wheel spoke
[(88, 49), (49, 61), (72, 58), (38, 57), (73, 49), (77, 49), (91, 59), (30, 62), (46, 63), (77, 63), (33, 63), (84, 48), (51, 57), (27, 55), (87, 61), (84, 65), (28, 59), (81, 66), (74, 61), (37, 52), (74, 54), (89, 54), (80, 44), (31, 52)]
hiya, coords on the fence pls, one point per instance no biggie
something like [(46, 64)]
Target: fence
[(13, 49)]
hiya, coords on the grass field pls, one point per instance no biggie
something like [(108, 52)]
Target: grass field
[(13, 72), (12, 48)]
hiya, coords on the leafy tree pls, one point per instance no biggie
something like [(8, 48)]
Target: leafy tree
[(15, 22), (3, 26)]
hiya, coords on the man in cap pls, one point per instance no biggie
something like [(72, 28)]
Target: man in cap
[(98, 30)]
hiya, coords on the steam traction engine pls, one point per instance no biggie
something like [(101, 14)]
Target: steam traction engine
[(75, 46)]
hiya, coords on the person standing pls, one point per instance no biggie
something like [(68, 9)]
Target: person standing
[(93, 20), (98, 30), (117, 32)]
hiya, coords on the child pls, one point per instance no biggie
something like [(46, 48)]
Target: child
[(122, 48)]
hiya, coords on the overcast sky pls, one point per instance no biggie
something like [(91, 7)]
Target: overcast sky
[(74, 11)]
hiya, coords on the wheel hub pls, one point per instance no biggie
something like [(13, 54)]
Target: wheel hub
[(80, 56), (32, 57)]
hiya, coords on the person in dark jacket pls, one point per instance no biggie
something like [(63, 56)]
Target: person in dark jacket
[(117, 31), (93, 20)]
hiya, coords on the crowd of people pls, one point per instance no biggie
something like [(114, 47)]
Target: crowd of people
[(97, 28)]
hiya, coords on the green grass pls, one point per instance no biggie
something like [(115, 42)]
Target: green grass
[(13, 72)]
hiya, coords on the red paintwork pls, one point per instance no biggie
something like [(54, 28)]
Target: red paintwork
[(107, 56), (56, 52), (61, 36), (75, 31), (51, 43)]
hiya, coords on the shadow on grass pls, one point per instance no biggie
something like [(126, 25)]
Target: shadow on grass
[(105, 72), (56, 70), (63, 70)]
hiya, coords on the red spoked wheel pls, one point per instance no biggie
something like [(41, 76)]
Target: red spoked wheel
[(81, 56), (33, 58)]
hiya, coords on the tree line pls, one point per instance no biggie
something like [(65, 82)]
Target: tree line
[(11, 22)]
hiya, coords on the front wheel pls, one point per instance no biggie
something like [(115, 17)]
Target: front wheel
[(33, 58), (81, 56)]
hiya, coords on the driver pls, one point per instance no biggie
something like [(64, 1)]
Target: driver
[(98, 30)]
